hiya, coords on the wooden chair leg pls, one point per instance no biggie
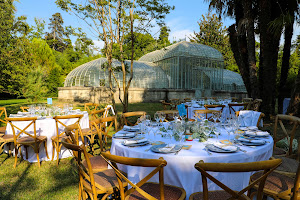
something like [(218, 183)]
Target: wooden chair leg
[(38, 158), (16, 156), (53, 149), (45, 145)]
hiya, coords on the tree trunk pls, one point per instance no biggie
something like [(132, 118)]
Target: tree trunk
[(238, 44), (247, 5), (285, 65), (294, 106), (269, 45), (239, 52)]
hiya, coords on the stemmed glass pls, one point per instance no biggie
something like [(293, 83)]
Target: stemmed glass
[(157, 117), (228, 128), (180, 130), (162, 117), (175, 116)]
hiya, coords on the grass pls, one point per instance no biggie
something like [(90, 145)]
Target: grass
[(28, 181)]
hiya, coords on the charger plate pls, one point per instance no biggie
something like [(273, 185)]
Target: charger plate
[(157, 148), (216, 149)]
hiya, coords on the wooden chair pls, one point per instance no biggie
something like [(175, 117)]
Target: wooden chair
[(31, 139), (100, 113), (3, 116), (234, 99), (97, 114), (60, 133), (4, 138), (144, 189), (232, 107), (280, 186), (169, 114), (92, 184), (166, 105), (210, 107), (97, 162), (89, 107), (261, 116), (128, 115), (106, 125), (174, 103), (267, 166), (288, 125), (254, 105), (24, 108), (206, 113), (288, 133), (187, 100), (247, 100)]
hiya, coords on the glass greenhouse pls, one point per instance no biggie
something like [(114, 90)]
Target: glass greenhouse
[(184, 65), (146, 75)]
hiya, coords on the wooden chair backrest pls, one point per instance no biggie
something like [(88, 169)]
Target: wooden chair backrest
[(254, 105), (174, 103), (214, 106), (89, 107), (197, 113), (166, 105), (3, 115), (247, 100), (261, 116), (159, 164), (267, 166), (104, 126), (187, 99), (30, 122), (234, 99), (84, 173), (290, 133), (24, 108), (232, 105), (58, 121), (168, 114), (126, 115), (296, 184), (95, 114)]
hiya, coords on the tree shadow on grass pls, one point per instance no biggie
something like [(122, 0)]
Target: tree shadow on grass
[(63, 176), (15, 188)]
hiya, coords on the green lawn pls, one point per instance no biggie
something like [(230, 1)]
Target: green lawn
[(28, 181)]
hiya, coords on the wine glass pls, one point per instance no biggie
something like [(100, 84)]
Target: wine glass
[(175, 116), (228, 128), (157, 117), (162, 117), (180, 130)]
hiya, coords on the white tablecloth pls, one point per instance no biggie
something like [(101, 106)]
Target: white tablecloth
[(180, 169), (47, 127), (225, 112)]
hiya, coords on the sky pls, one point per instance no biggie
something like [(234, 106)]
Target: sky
[(182, 21)]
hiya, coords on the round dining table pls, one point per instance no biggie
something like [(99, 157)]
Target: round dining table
[(46, 127), (180, 169)]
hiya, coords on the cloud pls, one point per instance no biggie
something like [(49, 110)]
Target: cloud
[(99, 44)]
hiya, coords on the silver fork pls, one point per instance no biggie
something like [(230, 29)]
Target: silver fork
[(178, 150), (209, 153)]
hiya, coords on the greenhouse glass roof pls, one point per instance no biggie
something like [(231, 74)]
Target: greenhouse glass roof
[(184, 65), (146, 75), (183, 48)]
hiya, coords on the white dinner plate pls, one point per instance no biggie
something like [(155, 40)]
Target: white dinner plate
[(218, 149), (162, 148)]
